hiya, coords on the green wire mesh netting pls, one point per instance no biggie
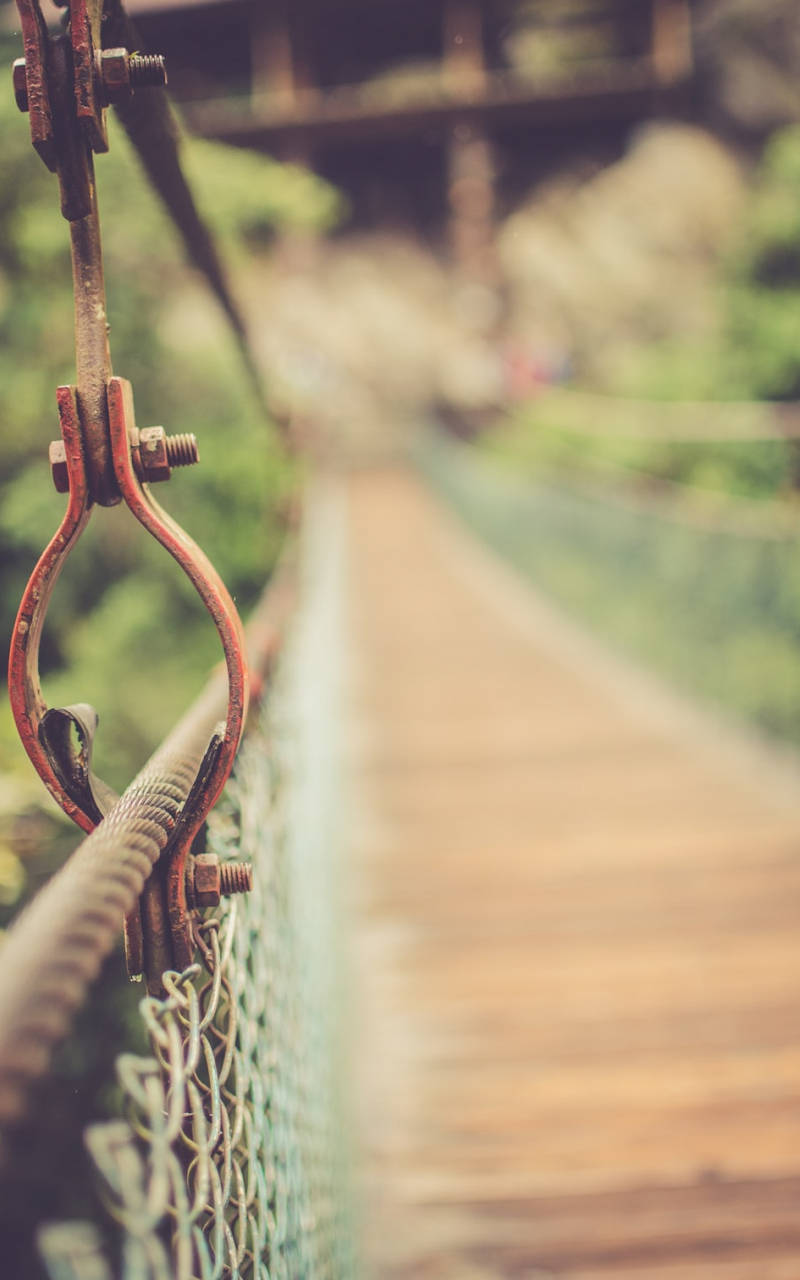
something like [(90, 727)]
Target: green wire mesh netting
[(231, 1162), (233, 1156), (703, 587)]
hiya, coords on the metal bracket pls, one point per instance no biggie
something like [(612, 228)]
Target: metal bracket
[(160, 930), (200, 571), (67, 735), (27, 701), (165, 931)]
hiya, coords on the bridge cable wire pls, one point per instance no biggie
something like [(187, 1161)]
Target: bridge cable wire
[(55, 949)]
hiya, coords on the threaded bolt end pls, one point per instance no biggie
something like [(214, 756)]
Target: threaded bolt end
[(182, 450), (147, 70), (235, 877)]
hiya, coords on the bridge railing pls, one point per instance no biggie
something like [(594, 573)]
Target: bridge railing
[(228, 1155), (595, 416), (224, 1155), (703, 586)]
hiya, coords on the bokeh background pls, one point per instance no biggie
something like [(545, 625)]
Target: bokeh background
[(548, 248)]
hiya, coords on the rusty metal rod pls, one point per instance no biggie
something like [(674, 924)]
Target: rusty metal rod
[(56, 947), (92, 354)]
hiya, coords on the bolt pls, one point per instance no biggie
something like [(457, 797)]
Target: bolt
[(158, 452), (147, 70), (235, 877), (121, 73), (182, 449), (20, 84), (58, 466), (208, 880)]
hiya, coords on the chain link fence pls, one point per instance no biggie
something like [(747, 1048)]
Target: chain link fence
[(230, 1158)]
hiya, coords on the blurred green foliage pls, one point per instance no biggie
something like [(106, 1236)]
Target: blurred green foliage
[(250, 208), (753, 352), (761, 333), (677, 544), (754, 355), (125, 631), (559, 436)]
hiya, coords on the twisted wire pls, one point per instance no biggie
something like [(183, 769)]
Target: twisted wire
[(56, 947), (59, 943)]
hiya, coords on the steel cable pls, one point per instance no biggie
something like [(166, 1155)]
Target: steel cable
[(55, 949)]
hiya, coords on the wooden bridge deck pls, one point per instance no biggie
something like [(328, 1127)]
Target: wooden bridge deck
[(578, 942)]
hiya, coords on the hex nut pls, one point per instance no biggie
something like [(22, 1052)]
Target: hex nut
[(153, 460), (115, 75), (207, 880), (58, 466)]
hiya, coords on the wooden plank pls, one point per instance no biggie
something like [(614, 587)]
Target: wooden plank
[(579, 935), (632, 93)]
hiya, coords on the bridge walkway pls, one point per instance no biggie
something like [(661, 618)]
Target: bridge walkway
[(577, 942)]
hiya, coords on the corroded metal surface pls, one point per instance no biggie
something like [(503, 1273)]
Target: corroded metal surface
[(53, 951), (221, 745), (36, 99), (27, 702)]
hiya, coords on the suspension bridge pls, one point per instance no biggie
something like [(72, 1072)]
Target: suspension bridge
[(576, 928), (517, 955), (551, 910)]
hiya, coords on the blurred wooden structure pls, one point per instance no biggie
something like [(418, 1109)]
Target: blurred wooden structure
[(416, 107), (413, 104)]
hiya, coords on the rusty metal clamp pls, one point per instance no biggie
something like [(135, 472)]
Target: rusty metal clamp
[(65, 83)]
